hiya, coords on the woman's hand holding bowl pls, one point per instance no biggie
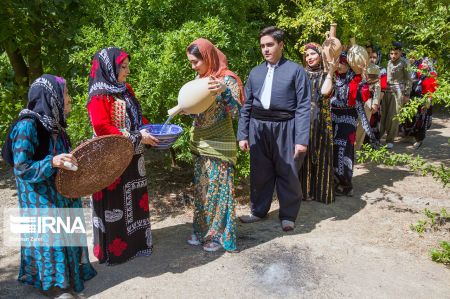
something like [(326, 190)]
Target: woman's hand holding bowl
[(148, 138)]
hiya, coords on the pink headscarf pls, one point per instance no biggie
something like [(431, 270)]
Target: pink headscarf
[(217, 63)]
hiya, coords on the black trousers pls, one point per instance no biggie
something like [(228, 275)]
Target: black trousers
[(272, 164)]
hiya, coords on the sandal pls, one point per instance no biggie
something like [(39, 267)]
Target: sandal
[(211, 246), (193, 240)]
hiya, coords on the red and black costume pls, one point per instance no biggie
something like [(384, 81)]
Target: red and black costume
[(347, 104), (424, 83), (120, 211)]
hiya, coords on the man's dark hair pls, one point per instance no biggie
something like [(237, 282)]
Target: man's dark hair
[(396, 46), (194, 50), (276, 33)]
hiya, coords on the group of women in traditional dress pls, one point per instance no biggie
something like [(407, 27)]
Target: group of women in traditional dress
[(337, 109), (122, 229), (337, 102)]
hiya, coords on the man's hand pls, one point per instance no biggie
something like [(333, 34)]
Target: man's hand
[(244, 146), (405, 99), (299, 149)]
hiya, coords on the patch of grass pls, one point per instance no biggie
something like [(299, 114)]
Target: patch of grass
[(419, 227), (435, 221), (431, 215), (441, 255)]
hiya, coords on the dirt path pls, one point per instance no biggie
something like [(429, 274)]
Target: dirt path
[(359, 247)]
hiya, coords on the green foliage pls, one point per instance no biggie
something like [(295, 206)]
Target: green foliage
[(409, 110), (421, 25), (43, 32), (10, 103), (439, 97), (443, 255), (414, 162), (419, 227), (436, 221), (156, 35), (243, 165), (431, 215)]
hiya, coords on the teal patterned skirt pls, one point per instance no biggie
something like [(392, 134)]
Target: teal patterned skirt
[(215, 205)]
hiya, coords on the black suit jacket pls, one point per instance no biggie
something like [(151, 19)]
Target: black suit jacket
[(290, 92)]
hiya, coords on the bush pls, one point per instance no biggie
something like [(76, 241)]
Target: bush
[(443, 255), (159, 66), (10, 102)]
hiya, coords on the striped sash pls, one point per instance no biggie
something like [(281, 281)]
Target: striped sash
[(216, 141)]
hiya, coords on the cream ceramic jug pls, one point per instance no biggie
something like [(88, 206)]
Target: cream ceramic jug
[(331, 47), (193, 98), (357, 58)]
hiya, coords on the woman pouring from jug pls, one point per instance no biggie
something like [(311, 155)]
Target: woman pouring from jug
[(213, 146)]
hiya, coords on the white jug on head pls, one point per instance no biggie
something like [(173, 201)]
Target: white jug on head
[(357, 58), (193, 98)]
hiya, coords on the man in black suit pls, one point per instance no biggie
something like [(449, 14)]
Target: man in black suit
[(274, 126)]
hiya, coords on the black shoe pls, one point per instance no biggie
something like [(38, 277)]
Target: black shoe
[(417, 144)]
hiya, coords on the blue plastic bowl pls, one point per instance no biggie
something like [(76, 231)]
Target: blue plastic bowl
[(166, 138)]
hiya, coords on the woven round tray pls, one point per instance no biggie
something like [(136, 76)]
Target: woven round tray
[(101, 160)]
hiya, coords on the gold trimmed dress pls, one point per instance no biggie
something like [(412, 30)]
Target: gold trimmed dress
[(317, 173)]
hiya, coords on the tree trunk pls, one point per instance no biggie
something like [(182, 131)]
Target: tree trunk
[(35, 61), (18, 64), (35, 51)]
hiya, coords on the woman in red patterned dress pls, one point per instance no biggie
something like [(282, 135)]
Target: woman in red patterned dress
[(120, 211)]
